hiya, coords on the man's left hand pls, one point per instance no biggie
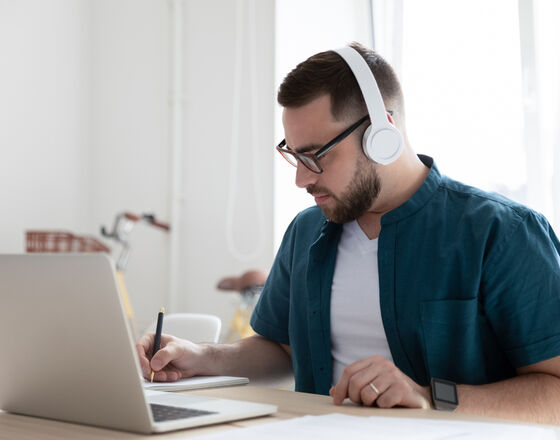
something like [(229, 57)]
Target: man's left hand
[(377, 381)]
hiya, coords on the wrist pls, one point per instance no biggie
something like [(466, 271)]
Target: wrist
[(426, 393), (208, 360), (444, 394)]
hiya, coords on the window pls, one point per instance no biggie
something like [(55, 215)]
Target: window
[(471, 102), (461, 75)]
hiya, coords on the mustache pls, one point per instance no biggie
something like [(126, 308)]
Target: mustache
[(314, 189)]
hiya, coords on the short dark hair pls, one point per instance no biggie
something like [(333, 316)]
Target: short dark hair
[(327, 73)]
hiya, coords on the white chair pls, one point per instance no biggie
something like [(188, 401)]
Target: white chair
[(196, 327)]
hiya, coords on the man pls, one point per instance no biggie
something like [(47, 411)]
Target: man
[(397, 276)]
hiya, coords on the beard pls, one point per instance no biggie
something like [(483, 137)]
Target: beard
[(356, 199)]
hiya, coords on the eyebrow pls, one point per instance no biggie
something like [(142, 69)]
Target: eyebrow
[(305, 149)]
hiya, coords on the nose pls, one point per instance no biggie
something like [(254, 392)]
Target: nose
[(304, 176)]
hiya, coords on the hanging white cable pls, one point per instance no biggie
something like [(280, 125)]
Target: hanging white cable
[(397, 34), (537, 192), (176, 102), (371, 24), (257, 186), (386, 30), (234, 150)]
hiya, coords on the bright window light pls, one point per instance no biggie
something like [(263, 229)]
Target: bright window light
[(462, 80)]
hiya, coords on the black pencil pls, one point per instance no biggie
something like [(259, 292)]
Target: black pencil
[(157, 338)]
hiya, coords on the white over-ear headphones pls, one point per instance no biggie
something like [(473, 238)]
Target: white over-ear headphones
[(382, 141)]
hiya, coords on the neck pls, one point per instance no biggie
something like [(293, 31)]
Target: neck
[(400, 181)]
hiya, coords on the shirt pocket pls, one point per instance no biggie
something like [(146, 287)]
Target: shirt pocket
[(452, 344)]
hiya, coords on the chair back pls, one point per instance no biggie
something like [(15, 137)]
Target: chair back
[(195, 327)]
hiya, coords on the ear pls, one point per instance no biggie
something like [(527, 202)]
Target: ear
[(390, 118)]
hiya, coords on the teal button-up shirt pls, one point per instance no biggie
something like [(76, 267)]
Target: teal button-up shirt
[(469, 287)]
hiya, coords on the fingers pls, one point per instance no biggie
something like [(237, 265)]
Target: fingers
[(369, 394), (144, 347), (400, 393), (145, 344), (392, 396), (144, 364), (169, 374), (166, 354), (377, 381), (176, 358), (354, 377), (377, 371)]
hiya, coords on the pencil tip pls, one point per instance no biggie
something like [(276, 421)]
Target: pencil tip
[(162, 310)]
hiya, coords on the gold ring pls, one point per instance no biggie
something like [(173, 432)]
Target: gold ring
[(372, 386)]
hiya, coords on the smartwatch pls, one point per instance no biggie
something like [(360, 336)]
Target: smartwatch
[(444, 394)]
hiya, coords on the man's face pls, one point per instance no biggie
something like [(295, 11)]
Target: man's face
[(349, 185), (356, 199)]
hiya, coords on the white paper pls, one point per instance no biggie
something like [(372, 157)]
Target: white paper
[(196, 382), (340, 426)]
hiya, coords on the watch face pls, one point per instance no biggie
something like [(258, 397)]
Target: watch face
[(445, 391)]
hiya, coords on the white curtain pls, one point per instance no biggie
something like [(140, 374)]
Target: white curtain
[(480, 82), (539, 38), (546, 43)]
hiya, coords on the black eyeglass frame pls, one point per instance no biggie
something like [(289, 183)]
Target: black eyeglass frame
[(313, 158)]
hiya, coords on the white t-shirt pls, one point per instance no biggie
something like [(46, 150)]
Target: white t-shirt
[(356, 328)]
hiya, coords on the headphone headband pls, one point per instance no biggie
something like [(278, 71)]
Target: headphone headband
[(366, 82), (382, 141)]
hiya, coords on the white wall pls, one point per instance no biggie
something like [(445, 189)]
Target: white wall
[(210, 33), (44, 118), (130, 136), (86, 129)]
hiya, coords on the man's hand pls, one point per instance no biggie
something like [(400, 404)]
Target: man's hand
[(377, 381), (176, 359), (255, 357)]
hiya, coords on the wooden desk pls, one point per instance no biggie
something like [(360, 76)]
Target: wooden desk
[(290, 404)]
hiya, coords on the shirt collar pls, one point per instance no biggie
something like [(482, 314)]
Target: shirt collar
[(420, 197)]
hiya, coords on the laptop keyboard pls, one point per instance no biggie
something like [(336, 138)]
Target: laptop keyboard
[(163, 413)]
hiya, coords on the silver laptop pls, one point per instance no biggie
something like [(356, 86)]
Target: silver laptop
[(68, 352)]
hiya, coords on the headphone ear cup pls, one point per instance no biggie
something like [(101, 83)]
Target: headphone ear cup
[(367, 143), (382, 146)]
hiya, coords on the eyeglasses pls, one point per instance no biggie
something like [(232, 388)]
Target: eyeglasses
[(311, 160)]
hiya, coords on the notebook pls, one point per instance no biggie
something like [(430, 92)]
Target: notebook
[(195, 383), (70, 354)]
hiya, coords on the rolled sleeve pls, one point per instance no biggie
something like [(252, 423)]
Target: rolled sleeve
[(522, 291), (271, 315)]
